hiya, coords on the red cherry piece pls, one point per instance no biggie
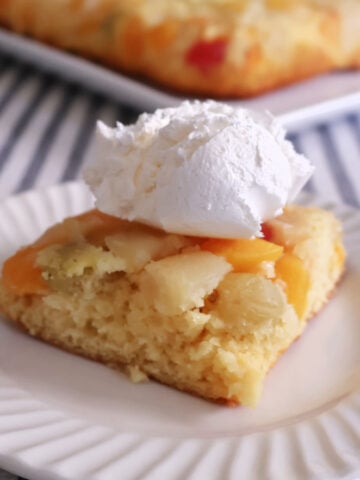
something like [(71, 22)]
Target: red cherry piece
[(207, 54), (267, 231)]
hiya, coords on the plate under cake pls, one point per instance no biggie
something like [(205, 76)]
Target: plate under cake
[(206, 316)]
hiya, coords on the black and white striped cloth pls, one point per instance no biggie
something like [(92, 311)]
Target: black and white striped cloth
[(47, 127)]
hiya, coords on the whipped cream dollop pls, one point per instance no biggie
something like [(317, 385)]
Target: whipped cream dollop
[(202, 169)]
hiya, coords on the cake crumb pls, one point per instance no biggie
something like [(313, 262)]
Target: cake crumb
[(135, 374)]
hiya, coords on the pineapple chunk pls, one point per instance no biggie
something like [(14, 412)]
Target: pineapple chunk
[(181, 282), (138, 244), (249, 304)]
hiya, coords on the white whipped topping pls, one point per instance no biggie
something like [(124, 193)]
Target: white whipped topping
[(202, 169)]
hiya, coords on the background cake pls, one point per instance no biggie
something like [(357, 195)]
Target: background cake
[(230, 48)]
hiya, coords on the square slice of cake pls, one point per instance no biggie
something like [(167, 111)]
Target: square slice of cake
[(206, 316)]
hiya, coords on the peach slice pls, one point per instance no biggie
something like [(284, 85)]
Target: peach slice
[(244, 254), (20, 273), (291, 270)]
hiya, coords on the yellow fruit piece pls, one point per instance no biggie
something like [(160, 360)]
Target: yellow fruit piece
[(244, 254), (291, 270)]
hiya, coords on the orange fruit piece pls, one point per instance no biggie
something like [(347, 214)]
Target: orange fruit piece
[(291, 270), (20, 273), (244, 254)]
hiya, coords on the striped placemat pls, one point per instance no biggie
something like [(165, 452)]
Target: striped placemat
[(47, 127)]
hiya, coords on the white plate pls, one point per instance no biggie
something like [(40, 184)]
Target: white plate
[(302, 104), (62, 416)]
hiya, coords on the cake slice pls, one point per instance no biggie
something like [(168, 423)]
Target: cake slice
[(207, 316), (208, 48)]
